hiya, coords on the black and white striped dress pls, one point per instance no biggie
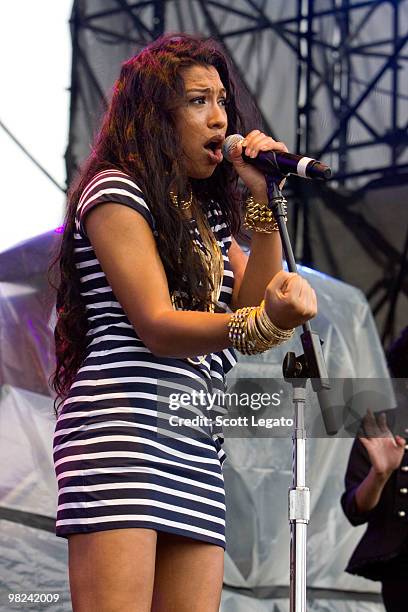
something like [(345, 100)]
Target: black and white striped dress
[(112, 467)]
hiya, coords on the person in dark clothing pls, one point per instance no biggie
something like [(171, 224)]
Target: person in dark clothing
[(376, 492)]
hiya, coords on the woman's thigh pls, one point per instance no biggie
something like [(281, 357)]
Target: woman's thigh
[(112, 570), (189, 575)]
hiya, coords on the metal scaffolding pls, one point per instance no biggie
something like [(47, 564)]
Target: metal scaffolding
[(329, 77), (324, 39)]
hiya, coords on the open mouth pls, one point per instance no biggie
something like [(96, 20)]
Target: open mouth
[(215, 142), (213, 146)]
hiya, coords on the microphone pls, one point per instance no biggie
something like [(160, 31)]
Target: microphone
[(269, 162)]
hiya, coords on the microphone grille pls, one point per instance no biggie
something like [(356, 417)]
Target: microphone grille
[(229, 143)]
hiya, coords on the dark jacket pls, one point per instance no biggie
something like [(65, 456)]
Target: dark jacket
[(386, 536)]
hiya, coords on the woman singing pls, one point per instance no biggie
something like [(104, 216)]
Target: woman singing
[(153, 285)]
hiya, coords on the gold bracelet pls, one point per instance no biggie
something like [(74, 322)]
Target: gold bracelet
[(260, 218), (237, 331), (267, 327), (251, 331)]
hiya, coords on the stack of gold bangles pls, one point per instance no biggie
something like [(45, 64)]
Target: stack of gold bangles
[(260, 218), (251, 331)]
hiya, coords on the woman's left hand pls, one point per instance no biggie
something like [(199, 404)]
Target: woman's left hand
[(254, 142)]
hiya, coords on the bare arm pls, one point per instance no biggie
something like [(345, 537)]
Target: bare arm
[(253, 273), (127, 251), (265, 259), (369, 491)]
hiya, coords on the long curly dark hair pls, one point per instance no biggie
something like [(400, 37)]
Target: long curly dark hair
[(138, 136)]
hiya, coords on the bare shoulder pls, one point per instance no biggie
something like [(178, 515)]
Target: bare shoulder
[(108, 221)]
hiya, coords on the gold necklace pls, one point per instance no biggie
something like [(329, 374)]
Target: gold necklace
[(183, 204), (213, 262), (212, 259)]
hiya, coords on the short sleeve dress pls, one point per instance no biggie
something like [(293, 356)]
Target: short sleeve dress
[(112, 468)]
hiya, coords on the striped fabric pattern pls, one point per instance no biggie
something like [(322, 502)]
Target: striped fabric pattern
[(113, 468)]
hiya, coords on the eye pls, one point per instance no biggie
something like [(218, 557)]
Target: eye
[(199, 100), (224, 101)]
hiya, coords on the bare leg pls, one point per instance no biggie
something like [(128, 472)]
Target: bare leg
[(189, 575), (113, 570)]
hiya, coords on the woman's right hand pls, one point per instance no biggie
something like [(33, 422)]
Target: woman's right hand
[(289, 300), (384, 450)]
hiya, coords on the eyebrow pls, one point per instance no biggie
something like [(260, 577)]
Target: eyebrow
[(205, 90)]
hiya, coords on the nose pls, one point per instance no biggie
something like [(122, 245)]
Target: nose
[(217, 117)]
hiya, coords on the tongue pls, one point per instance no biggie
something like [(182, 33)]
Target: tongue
[(218, 154)]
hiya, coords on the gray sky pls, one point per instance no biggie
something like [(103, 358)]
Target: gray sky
[(35, 74)]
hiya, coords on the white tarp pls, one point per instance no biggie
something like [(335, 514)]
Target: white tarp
[(257, 472)]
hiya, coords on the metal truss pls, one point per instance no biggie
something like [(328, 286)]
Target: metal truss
[(346, 50), (346, 67), (332, 72)]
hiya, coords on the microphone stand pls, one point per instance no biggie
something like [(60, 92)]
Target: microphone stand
[(297, 370)]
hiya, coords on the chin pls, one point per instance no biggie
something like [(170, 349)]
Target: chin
[(202, 173)]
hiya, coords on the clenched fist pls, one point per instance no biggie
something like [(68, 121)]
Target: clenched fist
[(290, 300)]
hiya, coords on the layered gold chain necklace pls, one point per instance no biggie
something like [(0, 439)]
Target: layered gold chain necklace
[(211, 254), (182, 204), (211, 257)]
